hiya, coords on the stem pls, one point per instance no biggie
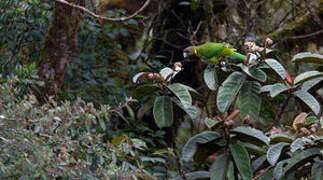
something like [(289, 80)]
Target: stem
[(284, 107), (178, 161)]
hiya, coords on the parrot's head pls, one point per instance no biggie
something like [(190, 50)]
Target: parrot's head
[(189, 52)]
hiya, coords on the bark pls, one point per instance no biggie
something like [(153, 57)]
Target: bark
[(61, 41)]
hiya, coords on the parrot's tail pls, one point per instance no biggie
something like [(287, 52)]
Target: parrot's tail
[(239, 56)]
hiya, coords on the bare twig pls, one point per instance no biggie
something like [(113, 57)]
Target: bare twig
[(284, 107), (108, 19), (179, 164), (306, 35)]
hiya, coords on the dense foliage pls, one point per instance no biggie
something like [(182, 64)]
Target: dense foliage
[(127, 110)]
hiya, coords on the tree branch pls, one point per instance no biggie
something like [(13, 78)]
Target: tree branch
[(305, 36), (107, 19)]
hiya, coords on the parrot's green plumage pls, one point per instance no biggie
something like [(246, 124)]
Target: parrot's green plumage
[(212, 52)]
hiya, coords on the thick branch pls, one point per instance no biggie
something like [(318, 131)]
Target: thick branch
[(102, 17)]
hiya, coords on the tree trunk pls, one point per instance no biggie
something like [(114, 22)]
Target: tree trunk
[(61, 41)]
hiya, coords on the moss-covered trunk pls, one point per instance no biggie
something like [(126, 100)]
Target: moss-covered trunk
[(60, 43)]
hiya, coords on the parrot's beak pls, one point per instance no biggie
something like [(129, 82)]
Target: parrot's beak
[(185, 54)]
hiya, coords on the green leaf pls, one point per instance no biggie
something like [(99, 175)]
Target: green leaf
[(182, 93), (139, 144), (308, 57), (218, 170), (278, 88), (241, 158), (138, 76), (306, 76), (190, 147), (317, 171), (277, 67), (210, 78), (307, 85), (152, 159), (309, 100), (102, 124), (191, 111), (190, 89), (209, 122), (276, 138), (184, 3), (167, 73), (301, 158), (254, 72), (266, 88), (257, 164), (163, 111), (194, 175), (228, 90), (279, 169), (298, 144), (311, 120), (268, 175), (274, 152), (230, 173), (253, 149), (255, 136), (250, 100), (144, 90)]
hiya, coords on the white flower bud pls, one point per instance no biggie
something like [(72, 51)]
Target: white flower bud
[(269, 42)]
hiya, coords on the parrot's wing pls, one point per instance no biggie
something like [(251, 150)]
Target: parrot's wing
[(227, 51), (213, 60), (209, 50)]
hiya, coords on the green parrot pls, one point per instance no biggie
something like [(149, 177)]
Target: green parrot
[(212, 52)]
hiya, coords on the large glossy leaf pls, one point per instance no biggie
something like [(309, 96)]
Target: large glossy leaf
[(228, 90), (257, 163), (253, 149), (300, 159), (274, 152), (139, 76), (308, 57), (143, 91), (191, 111), (317, 171), (163, 111), (242, 161), (277, 67), (269, 175), (218, 170), (210, 122), (277, 138), (307, 85), (167, 73), (279, 169), (307, 75), (190, 147), (309, 100), (194, 175), (210, 78), (250, 100), (182, 93), (298, 144), (266, 88), (278, 88), (230, 173), (253, 135), (190, 89), (254, 72)]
